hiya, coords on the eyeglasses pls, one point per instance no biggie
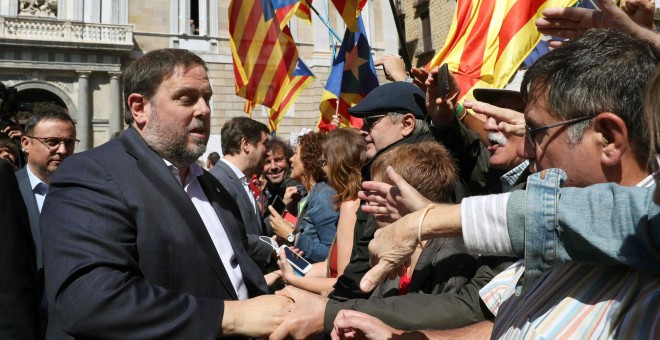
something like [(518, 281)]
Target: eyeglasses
[(529, 132), (368, 123), (54, 142)]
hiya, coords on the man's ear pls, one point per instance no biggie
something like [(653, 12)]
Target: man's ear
[(138, 105), (245, 145), (25, 145), (613, 134), (408, 122)]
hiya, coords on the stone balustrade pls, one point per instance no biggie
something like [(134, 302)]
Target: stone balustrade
[(65, 31)]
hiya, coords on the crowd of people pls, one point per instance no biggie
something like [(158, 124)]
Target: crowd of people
[(530, 215)]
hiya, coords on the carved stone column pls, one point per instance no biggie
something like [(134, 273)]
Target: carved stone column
[(116, 104), (84, 128)]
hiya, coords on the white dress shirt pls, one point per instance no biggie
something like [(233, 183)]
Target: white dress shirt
[(213, 225), (39, 188), (245, 181)]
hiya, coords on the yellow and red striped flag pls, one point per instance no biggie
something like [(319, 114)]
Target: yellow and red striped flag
[(350, 10), (304, 11), (489, 39), (264, 55), (298, 81)]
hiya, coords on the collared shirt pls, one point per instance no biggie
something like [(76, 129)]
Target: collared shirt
[(244, 180), (575, 301), (39, 188), (213, 226)]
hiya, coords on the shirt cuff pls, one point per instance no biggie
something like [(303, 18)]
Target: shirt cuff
[(483, 220)]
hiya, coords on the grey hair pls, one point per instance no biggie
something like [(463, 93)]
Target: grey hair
[(602, 71)]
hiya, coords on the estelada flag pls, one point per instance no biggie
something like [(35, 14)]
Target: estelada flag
[(296, 84), (284, 10), (350, 11), (489, 39), (352, 77), (264, 57)]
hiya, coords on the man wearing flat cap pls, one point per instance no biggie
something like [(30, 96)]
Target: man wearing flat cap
[(393, 114)]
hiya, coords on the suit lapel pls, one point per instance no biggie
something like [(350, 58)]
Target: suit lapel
[(238, 187), (424, 263), (230, 217), (25, 188), (154, 169)]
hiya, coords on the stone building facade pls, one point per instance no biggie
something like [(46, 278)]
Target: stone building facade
[(72, 52), (426, 24)]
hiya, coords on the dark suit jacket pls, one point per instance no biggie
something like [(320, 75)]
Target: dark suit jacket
[(127, 255), (33, 212), (259, 251), (429, 303), (19, 288)]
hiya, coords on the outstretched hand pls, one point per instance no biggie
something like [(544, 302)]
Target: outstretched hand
[(509, 121), (390, 249), (350, 324), (393, 66), (389, 203), (441, 109), (571, 22), (306, 317)]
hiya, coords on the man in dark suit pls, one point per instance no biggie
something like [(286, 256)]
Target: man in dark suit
[(19, 292), (244, 151), (141, 242), (50, 137)]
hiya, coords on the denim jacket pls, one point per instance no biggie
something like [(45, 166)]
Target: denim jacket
[(604, 224), (317, 223)]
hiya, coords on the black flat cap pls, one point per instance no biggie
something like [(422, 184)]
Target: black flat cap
[(507, 99), (399, 97)]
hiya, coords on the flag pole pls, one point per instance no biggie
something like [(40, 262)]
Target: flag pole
[(402, 39), (324, 21)]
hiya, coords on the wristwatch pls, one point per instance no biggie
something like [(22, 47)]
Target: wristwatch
[(291, 237)]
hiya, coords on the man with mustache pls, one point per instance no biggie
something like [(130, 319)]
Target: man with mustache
[(139, 241), (502, 108)]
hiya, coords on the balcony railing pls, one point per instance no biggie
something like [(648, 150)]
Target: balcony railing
[(30, 30)]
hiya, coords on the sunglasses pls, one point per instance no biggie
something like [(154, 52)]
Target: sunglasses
[(368, 123)]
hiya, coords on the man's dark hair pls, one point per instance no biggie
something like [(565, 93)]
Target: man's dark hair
[(39, 116), (276, 144), (602, 71), (145, 74), (238, 128), (213, 157)]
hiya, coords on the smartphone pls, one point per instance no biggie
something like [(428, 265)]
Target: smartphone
[(270, 242), (298, 263), (443, 80), (279, 205)]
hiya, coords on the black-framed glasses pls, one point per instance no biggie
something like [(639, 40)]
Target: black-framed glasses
[(529, 132), (54, 142), (368, 123)]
